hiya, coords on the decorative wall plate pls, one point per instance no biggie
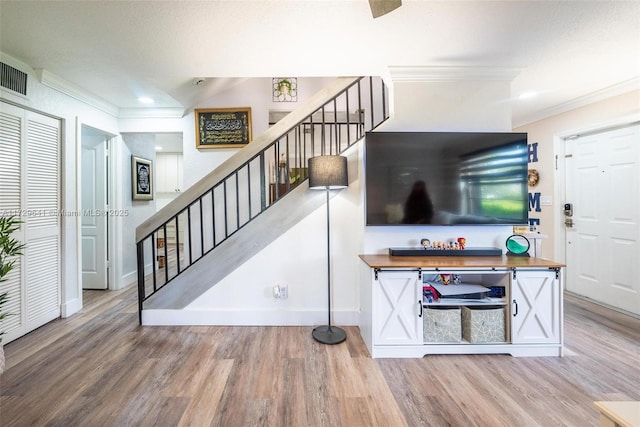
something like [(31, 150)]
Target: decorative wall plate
[(533, 177)]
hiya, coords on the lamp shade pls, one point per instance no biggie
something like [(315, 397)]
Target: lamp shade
[(328, 172)]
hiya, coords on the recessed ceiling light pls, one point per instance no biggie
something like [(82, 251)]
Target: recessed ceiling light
[(158, 148), (528, 95), (145, 100)]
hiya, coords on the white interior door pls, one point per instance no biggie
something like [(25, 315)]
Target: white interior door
[(602, 245), (94, 207)]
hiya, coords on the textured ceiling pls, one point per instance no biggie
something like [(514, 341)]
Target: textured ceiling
[(120, 50)]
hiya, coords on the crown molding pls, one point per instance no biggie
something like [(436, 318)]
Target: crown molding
[(15, 63), (151, 113), (68, 88), (582, 101), (451, 73)]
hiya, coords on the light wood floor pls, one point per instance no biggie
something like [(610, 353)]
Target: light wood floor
[(100, 368)]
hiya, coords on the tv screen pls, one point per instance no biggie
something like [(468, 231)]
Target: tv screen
[(446, 178)]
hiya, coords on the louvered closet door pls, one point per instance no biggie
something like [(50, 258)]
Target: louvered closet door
[(30, 176), (42, 231), (11, 131)]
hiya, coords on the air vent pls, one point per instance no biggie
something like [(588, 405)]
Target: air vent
[(13, 79)]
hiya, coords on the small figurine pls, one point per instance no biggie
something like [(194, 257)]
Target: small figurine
[(462, 241), (445, 278), (425, 243), (429, 293)]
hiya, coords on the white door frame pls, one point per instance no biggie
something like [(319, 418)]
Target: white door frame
[(560, 170), (112, 228)]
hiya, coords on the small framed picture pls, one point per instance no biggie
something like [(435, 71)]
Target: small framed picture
[(141, 178)]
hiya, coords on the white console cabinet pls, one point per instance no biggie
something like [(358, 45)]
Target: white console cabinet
[(392, 304)]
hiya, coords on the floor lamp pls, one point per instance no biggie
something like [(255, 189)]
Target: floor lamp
[(328, 173)]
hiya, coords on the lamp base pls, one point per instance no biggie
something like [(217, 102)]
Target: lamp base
[(329, 334)]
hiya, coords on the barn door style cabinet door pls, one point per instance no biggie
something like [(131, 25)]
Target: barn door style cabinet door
[(536, 310), (398, 308)]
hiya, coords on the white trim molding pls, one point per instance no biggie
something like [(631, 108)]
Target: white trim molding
[(68, 88), (247, 317), (151, 113), (451, 73), (591, 98), (70, 307)]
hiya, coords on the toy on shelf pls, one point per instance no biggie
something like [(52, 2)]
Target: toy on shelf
[(429, 294), (451, 245), (461, 242)]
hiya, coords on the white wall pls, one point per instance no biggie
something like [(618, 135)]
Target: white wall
[(549, 132), (426, 100), (254, 93), (76, 109), (74, 113), (139, 145), (299, 258)]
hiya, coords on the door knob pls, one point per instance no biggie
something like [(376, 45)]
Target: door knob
[(568, 222)]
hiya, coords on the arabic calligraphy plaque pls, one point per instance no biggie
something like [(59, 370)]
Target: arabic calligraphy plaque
[(223, 127)]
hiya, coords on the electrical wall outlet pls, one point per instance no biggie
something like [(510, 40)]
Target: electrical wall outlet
[(280, 291)]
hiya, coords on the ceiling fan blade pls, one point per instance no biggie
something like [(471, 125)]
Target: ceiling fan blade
[(381, 7)]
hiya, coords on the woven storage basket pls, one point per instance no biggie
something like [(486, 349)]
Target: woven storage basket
[(442, 325), (482, 325)]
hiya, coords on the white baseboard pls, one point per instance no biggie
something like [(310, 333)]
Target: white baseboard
[(130, 277), (127, 279), (70, 307), (246, 318)]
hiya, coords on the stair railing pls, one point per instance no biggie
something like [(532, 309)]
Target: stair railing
[(192, 226)]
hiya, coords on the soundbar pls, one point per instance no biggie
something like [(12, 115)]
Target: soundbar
[(445, 252)]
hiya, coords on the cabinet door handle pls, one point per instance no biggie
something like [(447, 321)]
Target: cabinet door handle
[(515, 313), (420, 305)]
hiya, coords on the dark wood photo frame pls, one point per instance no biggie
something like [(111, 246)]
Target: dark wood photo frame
[(141, 178), (223, 127)]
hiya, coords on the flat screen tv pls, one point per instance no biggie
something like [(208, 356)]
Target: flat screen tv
[(446, 178)]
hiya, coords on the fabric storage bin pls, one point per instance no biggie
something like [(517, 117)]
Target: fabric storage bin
[(483, 325), (442, 325)]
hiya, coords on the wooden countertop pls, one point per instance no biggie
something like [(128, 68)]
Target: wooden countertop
[(502, 261)]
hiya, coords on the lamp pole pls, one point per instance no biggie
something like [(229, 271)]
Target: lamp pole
[(328, 264), (326, 173)]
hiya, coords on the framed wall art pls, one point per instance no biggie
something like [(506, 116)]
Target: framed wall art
[(223, 127), (141, 178)]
